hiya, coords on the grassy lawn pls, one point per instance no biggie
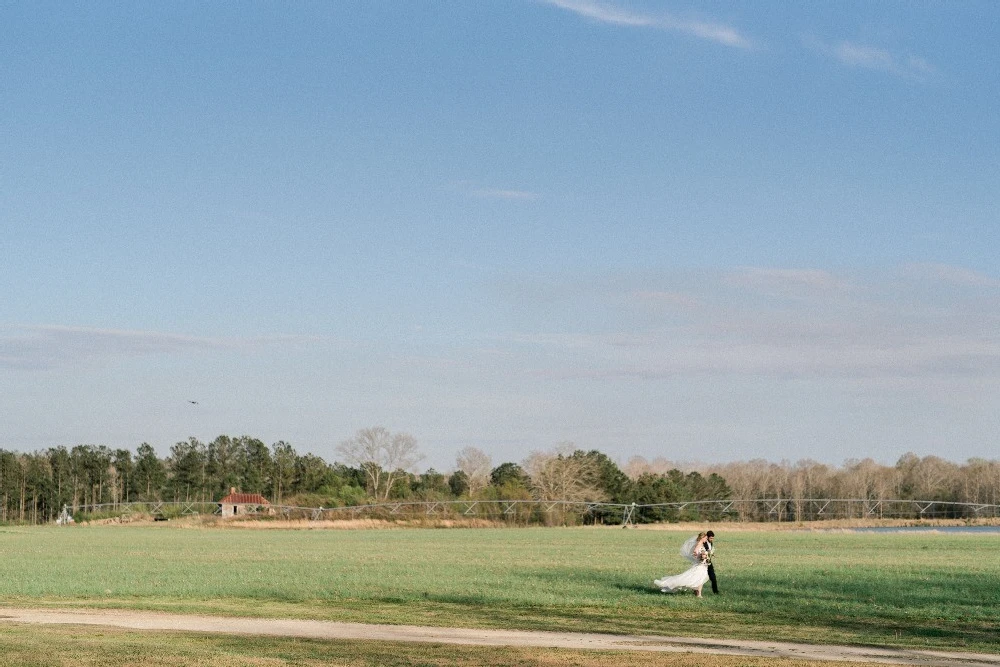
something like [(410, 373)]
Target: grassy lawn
[(916, 590)]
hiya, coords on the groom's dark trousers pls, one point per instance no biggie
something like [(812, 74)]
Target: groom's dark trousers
[(711, 576)]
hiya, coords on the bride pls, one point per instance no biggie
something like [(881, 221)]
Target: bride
[(694, 577)]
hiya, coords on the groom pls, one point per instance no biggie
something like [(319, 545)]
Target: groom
[(710, 550)]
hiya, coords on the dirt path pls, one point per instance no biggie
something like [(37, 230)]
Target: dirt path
[(141, 620)]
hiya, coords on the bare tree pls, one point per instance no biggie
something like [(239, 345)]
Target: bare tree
[(751, 480), (866, 481), (807, 479), (476, 464), (928, 478), (382, 456), (980, 481), (283, 475), (796, 486), (638, 466), (558, 475)]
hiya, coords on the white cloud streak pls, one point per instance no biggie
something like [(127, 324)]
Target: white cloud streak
[(783, 323), (511, 195), (951, 274), (784, 280), (610, 14), (869, 57), (52, 346)]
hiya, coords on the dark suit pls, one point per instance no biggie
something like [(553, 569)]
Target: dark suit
[(711, 568)]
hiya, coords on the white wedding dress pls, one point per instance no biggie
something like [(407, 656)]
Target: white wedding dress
[(694, 577)]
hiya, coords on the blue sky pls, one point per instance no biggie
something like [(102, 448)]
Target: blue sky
[(704, 231)]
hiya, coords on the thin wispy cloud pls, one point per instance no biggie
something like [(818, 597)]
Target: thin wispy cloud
[(954, 275), (784, 279), (836, 326), (614, 15), (940, 356), (510, 195), (52, 346), (663, 298), (864, 56), (870, 57), (564, 341)]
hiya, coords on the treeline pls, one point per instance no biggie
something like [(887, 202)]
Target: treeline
[(377, 467), (34, 487), (928, 478)]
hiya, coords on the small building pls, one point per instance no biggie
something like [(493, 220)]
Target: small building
[(240, 504)]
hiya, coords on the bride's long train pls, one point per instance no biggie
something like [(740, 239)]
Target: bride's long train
[(692, 578)]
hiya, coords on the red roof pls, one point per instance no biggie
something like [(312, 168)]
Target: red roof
[(245, 499)]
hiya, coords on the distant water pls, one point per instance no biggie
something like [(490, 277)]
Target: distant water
[(927, 529)]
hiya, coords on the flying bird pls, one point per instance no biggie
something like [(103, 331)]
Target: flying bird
[(193, 402)]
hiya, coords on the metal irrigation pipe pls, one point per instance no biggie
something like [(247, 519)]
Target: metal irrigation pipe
[(761, 507)]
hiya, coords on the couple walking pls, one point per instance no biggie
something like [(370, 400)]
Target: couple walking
[(698, 550)]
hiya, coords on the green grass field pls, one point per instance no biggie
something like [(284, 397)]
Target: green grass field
[(916, 590)]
